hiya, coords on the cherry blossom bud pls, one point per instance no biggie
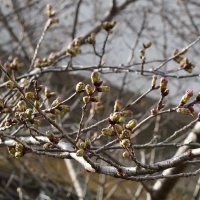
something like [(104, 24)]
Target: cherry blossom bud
[(80, 87)]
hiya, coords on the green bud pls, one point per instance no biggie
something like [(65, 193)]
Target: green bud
[(131, 124), (95, 78), (107, 131), (30, 96), (117, 105), (10, 84), (19, 147), (125, 154), (125, 143), (46, 146), (80, 152), (86, 99), (21, 106), (18, 154), (56, 102), (89, 89), (114, 117), (80, 87)]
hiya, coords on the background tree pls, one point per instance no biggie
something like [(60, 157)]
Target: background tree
[(59, 98)]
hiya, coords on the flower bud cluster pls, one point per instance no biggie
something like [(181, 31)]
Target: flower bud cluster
[(17, 151), (83, 147), (92, 89)]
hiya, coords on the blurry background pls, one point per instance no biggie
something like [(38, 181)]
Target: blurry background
[(169, 25)]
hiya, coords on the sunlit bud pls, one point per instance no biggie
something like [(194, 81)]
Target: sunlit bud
[(56, 102), (21, 106), (108, 26), (30, 96), (186, 97), (89, 89), (107, 131), (73, 48), (117, 105), (147, 45), (114, 117), (163, 84), (19, 147), (10, 84), (131, 124), (121, 119), (86, 99), (125, 154), (18, 154), (153, 82), (81, 145), (95, 78), (46, 146), (80, 87), (125, 143), (80, 152)]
